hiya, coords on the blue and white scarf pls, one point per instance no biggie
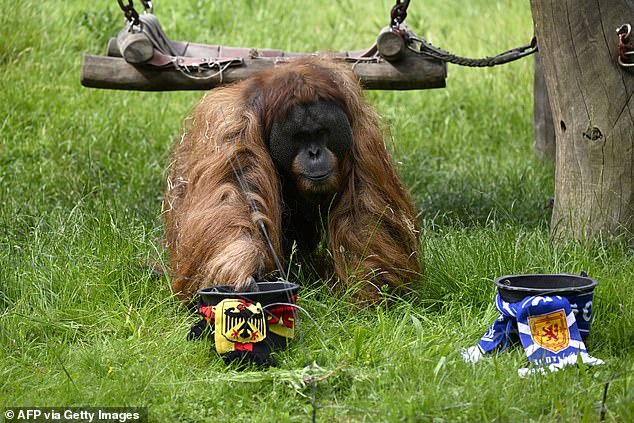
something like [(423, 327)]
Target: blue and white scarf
[(550, 328)]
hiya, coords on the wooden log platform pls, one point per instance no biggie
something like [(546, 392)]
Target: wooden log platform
[(147, 60), (413, 72)]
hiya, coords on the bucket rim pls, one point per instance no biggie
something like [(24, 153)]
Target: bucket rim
[(212, 291), (588, 287)]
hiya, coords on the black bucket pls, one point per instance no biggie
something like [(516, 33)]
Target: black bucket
[(577, 289), (269, 293)]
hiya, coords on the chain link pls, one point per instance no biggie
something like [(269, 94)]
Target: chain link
[(148, 7), (131, 15), (130, 12), (398, 13), (397, 25)]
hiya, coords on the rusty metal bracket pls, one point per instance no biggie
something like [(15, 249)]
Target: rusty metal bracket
[(626, 47)]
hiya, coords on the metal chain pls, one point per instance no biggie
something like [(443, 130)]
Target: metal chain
[(397, 24), (148, 7), (428, 49), (399, 13), (130, 12)]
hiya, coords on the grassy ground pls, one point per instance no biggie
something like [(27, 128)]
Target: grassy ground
[(83, 322)]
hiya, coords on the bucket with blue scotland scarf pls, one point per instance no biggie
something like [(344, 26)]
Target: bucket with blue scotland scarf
[(550, 314)]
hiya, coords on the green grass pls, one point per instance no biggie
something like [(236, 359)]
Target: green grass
[(84, 322)]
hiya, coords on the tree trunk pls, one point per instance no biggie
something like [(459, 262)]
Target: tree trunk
[(544, 146), (593, 111)]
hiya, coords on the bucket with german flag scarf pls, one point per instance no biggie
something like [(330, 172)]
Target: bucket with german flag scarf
[(247, 326)]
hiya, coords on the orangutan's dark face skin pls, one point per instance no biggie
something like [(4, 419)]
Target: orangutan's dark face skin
[(309, 146)]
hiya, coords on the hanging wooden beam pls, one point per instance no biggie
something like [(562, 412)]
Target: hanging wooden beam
[(413, 72), (144, 58)]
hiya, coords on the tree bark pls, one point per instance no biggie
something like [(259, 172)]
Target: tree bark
[(544, 134), (593, 112)]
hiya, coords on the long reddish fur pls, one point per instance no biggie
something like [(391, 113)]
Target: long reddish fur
[(211, 230)]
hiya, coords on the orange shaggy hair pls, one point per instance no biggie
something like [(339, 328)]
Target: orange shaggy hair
[(213, 232)]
